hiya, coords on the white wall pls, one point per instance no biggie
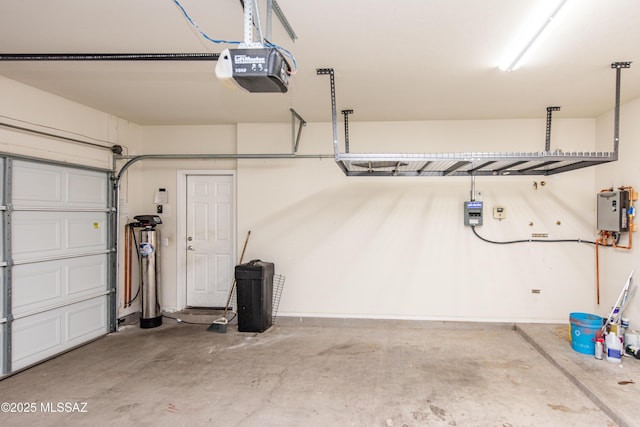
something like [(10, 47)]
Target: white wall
[(616, 264), (388, 247), (27, 107), (397, 247)]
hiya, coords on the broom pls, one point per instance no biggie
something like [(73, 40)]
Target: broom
[(220, 325)]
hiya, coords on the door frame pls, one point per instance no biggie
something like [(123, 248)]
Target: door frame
[(181, 222)]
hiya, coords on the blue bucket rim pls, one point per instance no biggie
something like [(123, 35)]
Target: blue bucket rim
[(585, 318)]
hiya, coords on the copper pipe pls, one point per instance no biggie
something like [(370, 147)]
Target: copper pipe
[(597, 273), (127, 268), (131, 241), (630, 219)]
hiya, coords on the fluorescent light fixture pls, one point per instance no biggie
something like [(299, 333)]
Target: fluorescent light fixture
[(531, 38)]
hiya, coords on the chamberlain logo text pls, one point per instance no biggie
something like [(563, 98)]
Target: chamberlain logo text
[(246, 59)]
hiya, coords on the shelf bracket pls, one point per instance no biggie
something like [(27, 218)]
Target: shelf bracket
[(295, 136), (547, 145), (334, 113), (346, 113), (616, 115)]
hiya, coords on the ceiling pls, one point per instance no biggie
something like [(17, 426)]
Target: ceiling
[(400, 60)]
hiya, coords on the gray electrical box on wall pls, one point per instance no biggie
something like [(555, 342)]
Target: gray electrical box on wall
[(473, 213), (613, 207)]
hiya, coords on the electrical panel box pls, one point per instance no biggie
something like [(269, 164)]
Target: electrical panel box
[(473, 213), (613, 209)]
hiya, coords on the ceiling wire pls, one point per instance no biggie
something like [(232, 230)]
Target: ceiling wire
[(197, 27), (266, 43)]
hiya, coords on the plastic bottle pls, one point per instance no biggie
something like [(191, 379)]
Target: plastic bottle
[(599, 348), (614, 348), (624, 325)]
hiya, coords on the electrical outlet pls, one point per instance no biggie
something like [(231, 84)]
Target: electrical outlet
[(499, 212)]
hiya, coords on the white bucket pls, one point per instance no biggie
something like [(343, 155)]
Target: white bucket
[(632, 338)]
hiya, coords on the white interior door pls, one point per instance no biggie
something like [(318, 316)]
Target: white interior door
[(210, 239)]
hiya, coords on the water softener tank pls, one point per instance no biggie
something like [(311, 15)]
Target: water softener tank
[(151, 315)]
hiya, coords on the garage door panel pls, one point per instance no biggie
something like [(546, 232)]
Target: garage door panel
[(53, 234), (46, 334), (3, 325), (35, 286), (35, 338), (44, 285), (45, 185), (2, 293), (87, 275), (86, 189), (3, 345), (35, 234), (36, 185), (59, 263), (87, 232), (86, 321)]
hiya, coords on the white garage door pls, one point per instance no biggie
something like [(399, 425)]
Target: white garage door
[(56, 279)]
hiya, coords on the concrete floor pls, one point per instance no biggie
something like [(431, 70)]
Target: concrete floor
[(324, 372)]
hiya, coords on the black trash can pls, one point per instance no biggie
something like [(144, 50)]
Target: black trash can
[(254, 281)]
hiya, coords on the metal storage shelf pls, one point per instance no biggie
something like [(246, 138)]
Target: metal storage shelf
[(465, 164), (546, 162)]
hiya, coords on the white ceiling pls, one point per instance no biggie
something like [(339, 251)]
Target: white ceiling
[(400, 60)]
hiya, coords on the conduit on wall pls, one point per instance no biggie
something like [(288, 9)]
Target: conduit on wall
[(545, 162), (263, 156)]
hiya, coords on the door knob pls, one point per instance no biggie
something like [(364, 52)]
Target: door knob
[(189, 248), (189, 238)]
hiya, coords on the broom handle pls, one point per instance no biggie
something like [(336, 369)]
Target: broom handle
[(233, 285), (625, 289), (244, 248)]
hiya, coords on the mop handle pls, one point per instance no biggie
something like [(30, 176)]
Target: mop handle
[(625, 290)]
